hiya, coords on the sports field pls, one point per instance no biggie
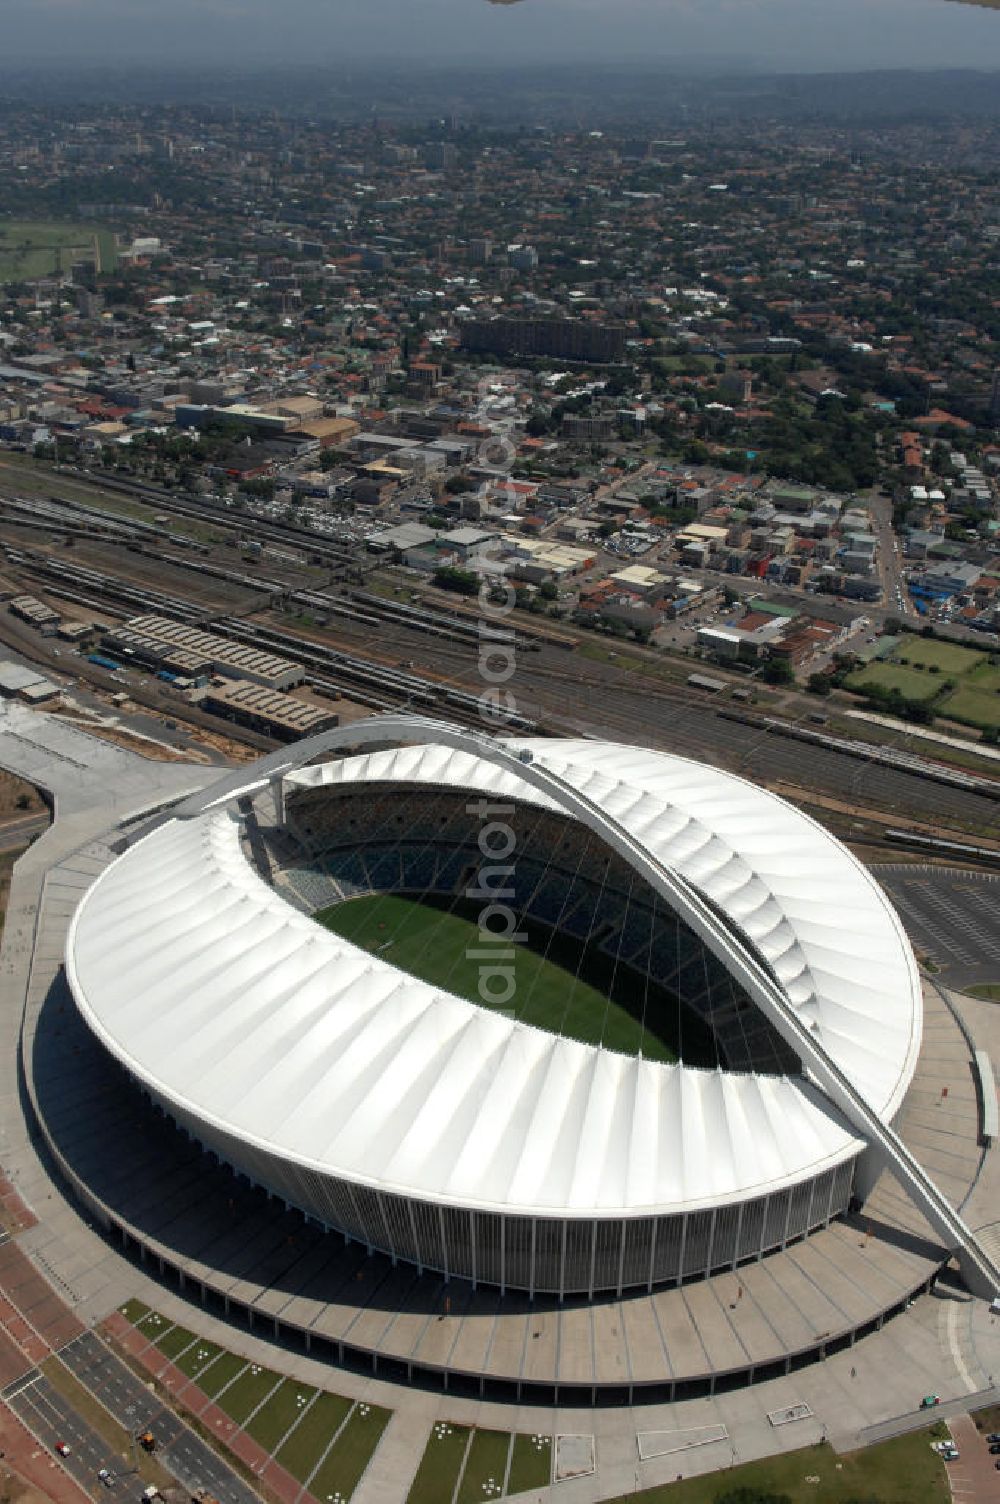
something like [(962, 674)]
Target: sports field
[(950, 658), (560, 984), (963, 683), (37, 248), (888, 676)]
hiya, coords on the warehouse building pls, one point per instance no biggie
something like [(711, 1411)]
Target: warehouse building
[(177, 648), (267, 711)]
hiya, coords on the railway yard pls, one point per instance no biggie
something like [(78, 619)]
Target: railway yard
[(370, 638)]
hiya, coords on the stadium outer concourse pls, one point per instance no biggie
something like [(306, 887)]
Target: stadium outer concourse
[(464, 1141)]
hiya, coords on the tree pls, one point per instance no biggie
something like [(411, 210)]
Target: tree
[(819, 684), (462, 581), (778, 671)]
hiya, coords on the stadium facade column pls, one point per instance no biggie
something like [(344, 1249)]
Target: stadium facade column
[(867, 1169)]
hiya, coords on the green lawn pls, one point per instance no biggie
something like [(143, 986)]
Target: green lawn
[(952, 660), (30, 248), (975, 703), (134, 1311), (309, 1441), (152, 1325), (215, 1376), (914, 683), (174, 1341), (530, 1463), (975, 699), (250, 1389), (560, 984), (342, 1468), (986, 675), (485, 1467), (274, 1420), (688, 365), (903, 1471), (988, 992), (439, 1466), (197, 1358), (598, 653)]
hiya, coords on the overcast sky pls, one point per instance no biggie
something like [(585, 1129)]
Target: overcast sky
[(824, 34)]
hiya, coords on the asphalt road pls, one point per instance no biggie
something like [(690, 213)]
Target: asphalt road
[(192, 1462), (196, 1466), (97, 1367), (897, 600), (52, 1419), (17, 833)]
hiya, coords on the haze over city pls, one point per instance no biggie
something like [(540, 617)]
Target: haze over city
[(757, 34)]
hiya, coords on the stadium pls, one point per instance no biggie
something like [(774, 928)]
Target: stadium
[(557, 1017)]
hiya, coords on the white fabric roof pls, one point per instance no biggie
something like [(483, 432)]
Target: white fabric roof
[(231, 1005)]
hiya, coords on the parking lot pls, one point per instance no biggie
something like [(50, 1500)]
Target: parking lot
[(952, 917), (972, 1475)]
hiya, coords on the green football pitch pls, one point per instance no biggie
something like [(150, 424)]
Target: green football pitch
[(39, 248), (560, 984)]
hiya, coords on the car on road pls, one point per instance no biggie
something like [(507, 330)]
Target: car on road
[(63, 1448), (929, 1401)]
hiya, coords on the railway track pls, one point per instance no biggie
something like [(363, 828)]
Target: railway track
[(580, 696)]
